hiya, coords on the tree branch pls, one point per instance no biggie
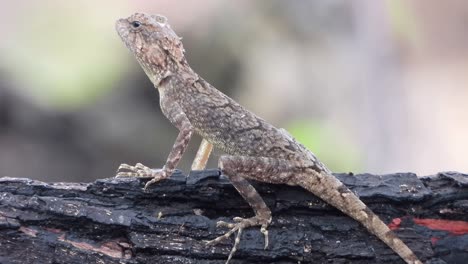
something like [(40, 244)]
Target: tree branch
[(114, 221)]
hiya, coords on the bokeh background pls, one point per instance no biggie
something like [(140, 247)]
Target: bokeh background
[(369, 86)]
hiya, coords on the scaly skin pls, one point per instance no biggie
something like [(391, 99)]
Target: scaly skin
[(257, 150)]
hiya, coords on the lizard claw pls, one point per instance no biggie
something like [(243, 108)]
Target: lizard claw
[(141, 171), (264, 231), (157, 176), (239, 226)]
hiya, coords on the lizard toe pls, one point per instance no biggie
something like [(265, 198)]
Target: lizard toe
[(239, 225)]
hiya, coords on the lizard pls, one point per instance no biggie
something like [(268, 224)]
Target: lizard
[(256, 150)]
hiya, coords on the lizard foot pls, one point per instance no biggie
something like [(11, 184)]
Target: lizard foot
[(141, 171), (239, 226)]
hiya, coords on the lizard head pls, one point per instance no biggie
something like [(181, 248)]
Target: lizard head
[(155, 45)]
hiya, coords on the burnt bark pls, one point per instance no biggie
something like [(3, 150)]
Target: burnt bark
[(115, 221)]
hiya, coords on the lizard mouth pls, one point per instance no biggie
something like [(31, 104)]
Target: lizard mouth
[(121, 28)]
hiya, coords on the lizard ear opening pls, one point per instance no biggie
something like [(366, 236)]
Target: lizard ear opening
[(160, 19)]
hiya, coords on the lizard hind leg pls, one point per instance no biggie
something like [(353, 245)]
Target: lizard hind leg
[(237, 169)]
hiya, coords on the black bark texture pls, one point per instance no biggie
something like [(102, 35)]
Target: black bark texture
[(115, 221)]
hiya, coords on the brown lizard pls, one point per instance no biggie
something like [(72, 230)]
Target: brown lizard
[(256, 150)]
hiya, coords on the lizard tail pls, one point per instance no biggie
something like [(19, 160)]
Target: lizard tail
[(332, 191)]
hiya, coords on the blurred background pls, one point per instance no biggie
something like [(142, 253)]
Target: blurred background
[(368, 86)]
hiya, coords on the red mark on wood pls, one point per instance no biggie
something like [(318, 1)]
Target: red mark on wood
[(54, 230), (454, 227), (28, 231), (110, 248), (395, 224)]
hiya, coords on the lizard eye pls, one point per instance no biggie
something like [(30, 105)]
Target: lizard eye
[(136, 24)]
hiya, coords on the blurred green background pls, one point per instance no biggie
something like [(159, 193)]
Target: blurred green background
[(368, 86)]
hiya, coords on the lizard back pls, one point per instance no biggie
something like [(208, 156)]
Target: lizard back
[(234, 129)]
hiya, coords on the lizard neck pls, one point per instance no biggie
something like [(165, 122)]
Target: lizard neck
[(174, 69), (174, 83)]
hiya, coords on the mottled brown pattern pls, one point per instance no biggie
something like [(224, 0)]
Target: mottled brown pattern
[(257, 150)]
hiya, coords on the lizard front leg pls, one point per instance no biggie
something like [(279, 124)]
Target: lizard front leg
[(237, 169), (180, 145)]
